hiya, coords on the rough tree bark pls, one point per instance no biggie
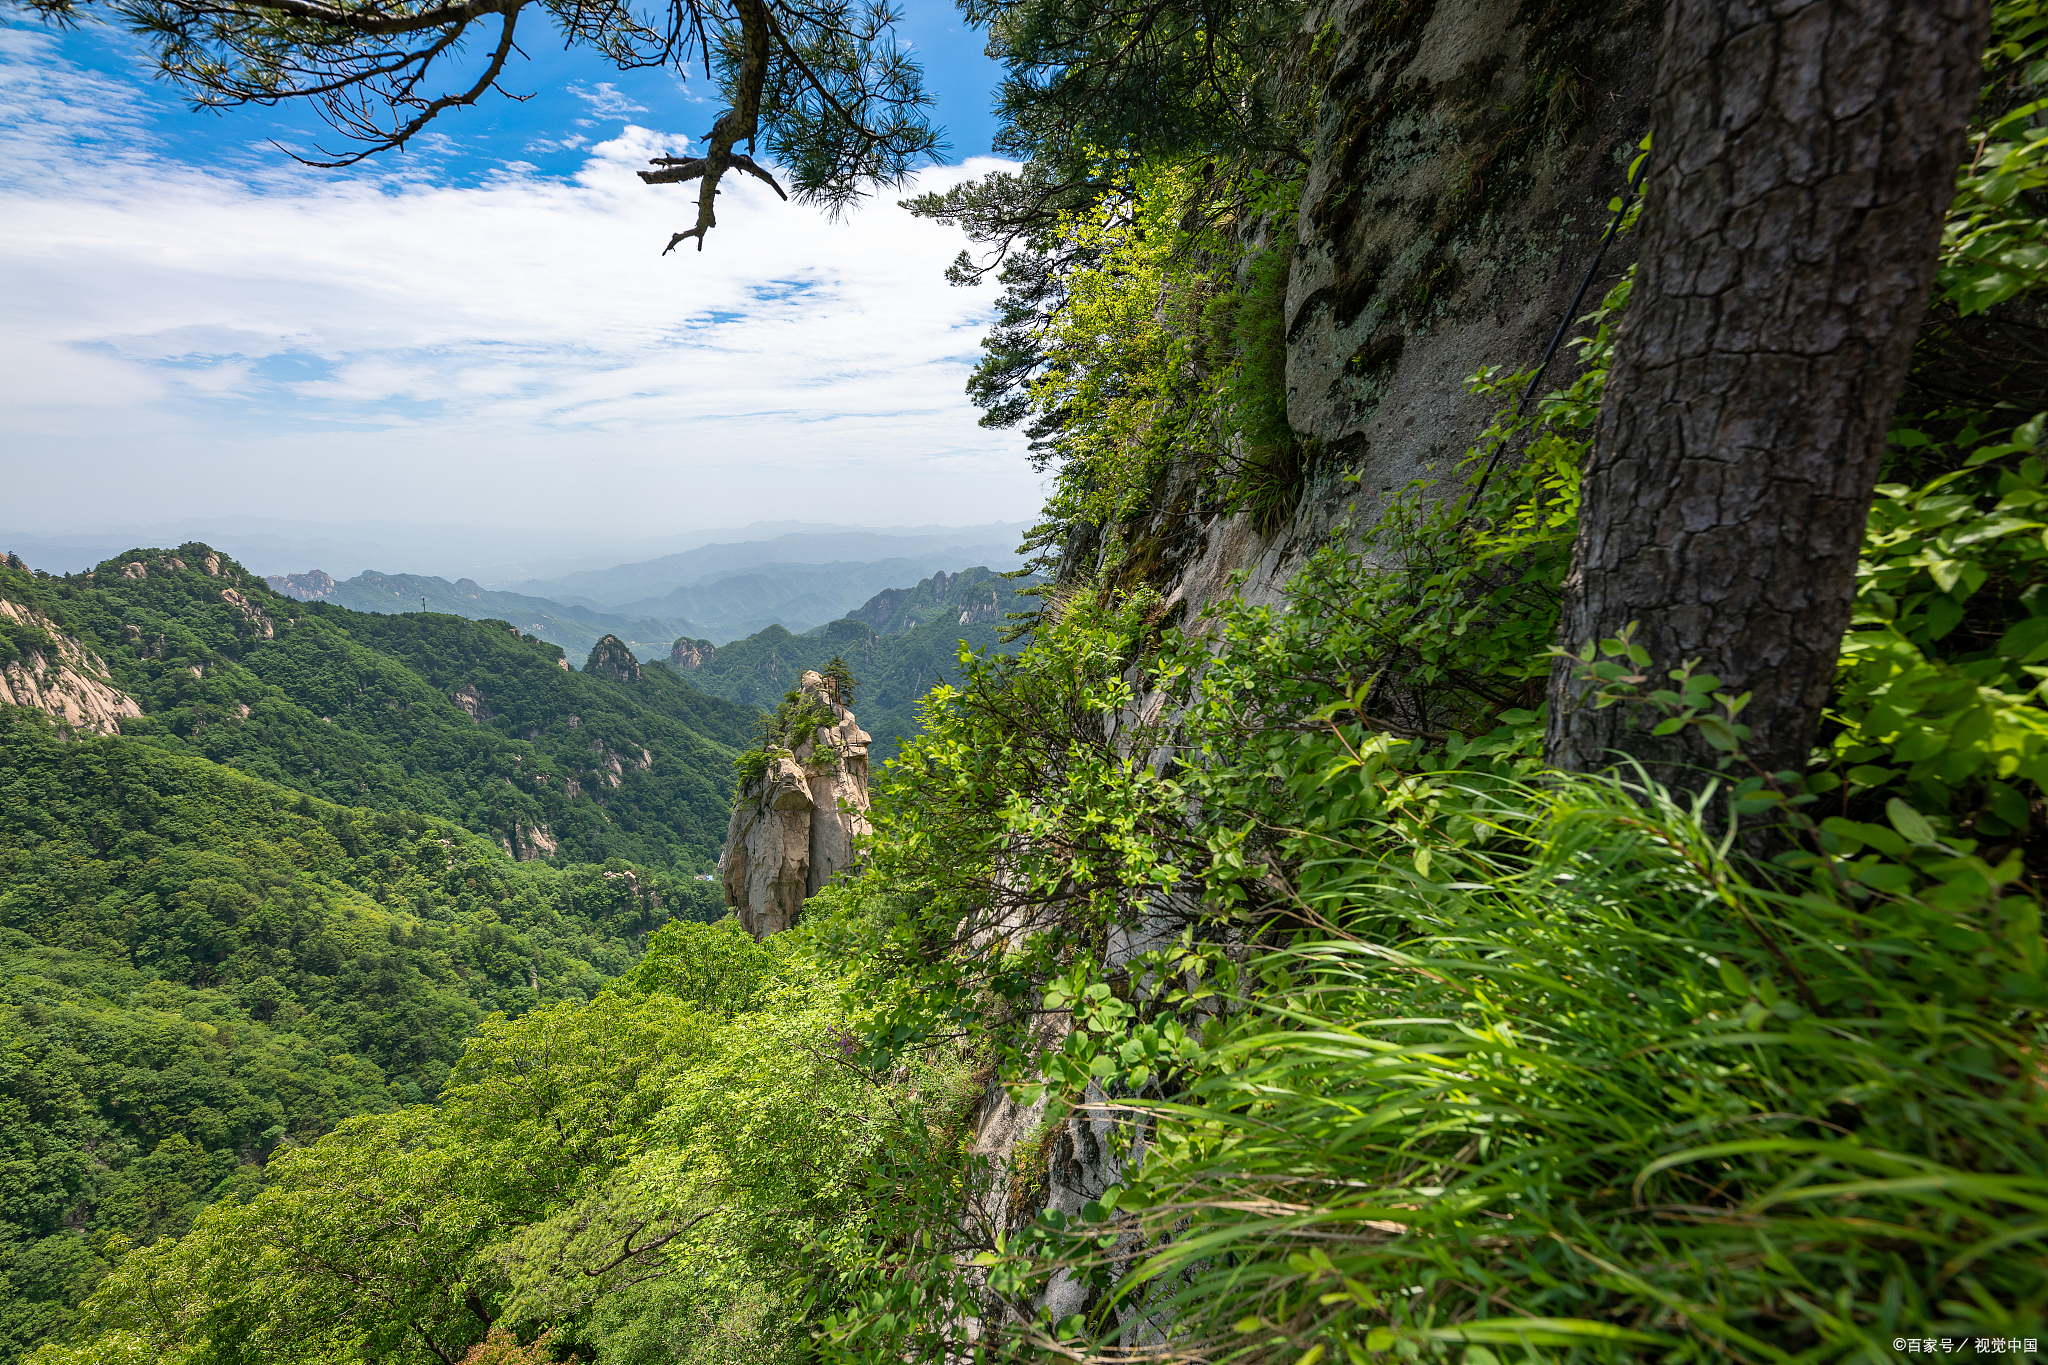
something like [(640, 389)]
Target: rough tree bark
[(1804, 156)]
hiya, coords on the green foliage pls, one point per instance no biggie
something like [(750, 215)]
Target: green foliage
[(1169, 349), (1253, 391), (1995, 244), (1426, 1056), (681, 1169), (1942, 671), (19, 640), (791, 725), (840, 674), (1386, 1042), (1568, 1082), (202, 967)]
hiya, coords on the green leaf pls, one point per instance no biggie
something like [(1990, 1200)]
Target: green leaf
[(1944, 614), (1718, 733), (1909, 822)]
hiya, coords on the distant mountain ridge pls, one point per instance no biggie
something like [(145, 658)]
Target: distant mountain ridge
[(572, 626), (503, 557), (630, 586), (726, 605), (798, 597), (900, 643)]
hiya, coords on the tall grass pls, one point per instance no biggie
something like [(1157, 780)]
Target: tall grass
[(1574, 1088)]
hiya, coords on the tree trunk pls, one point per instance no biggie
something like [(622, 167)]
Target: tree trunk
[(1804, 157)]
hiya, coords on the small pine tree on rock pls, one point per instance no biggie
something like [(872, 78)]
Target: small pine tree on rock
[(840, 675)]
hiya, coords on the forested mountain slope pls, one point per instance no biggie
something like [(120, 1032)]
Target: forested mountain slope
[(736, 602), (200, 966), (900, 644), (470, 721)]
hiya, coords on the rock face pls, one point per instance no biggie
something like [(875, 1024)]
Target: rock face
[(529, 841), (688, 653), (1461, 157), (470, 698), (251, 613), (306, 587), (612, 658), (64, 680), (793, 827)]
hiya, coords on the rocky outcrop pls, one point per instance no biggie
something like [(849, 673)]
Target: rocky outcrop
[(530, 841), (1462, 154), (251, 613), (613, 658), (306, 587), (61, 678), (470, 698), (795, 826), (688, 653)]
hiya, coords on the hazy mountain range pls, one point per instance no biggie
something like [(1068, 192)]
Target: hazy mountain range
[(719, 592), (644, 586), (497, 557), (900, 643)]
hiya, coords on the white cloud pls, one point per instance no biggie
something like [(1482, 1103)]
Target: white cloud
[(260, 338), (606, 100)]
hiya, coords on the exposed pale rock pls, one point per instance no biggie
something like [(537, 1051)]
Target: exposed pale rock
[(251, 613), (135, 568), (531, 841), (306, 587), (794, 828), (72, 688), (470, 698), (688, 653), (613, 658)]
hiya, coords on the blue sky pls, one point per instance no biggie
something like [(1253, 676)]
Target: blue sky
[(479, 331)]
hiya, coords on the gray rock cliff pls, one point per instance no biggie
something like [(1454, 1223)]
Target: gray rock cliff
[(613, 658), (795, 826)]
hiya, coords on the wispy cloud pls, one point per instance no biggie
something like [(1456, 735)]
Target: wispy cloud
[(259, 338), (606, 100)]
